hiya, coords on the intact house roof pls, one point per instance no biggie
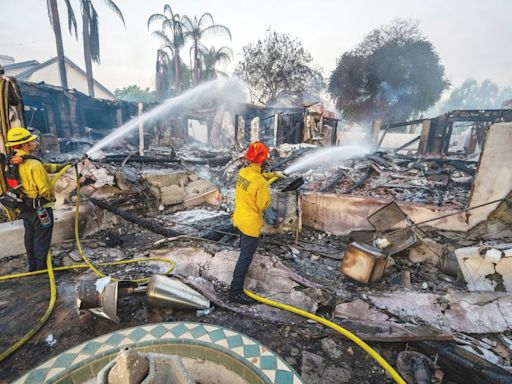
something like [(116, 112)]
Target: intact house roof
[(34, 66)]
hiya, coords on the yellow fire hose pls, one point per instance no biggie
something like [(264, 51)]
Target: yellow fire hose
[(53, 291), (53, 294), (349, 335)]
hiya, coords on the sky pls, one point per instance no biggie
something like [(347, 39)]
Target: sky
[(472, 37)]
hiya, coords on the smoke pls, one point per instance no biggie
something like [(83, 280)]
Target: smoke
[(328, 156), (388, 95), (207, 94), (474, 95)]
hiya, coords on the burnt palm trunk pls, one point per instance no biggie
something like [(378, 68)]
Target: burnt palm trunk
[(87, 51), (177, 69), (196, 64), (58, 40)]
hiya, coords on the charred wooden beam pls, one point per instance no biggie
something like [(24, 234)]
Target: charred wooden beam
[(212, 234), (139, 159), (403, 146), (146, 224), (360, 182), (462, 167), (213, 162), (331, 184)]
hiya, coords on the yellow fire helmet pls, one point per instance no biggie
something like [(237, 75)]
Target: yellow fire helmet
[(18, 136)]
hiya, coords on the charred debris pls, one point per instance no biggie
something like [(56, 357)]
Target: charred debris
[(409, 247)]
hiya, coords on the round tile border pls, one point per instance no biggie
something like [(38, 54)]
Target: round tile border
[(165, 338)]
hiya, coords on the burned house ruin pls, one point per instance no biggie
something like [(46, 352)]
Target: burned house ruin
[(402, 235)]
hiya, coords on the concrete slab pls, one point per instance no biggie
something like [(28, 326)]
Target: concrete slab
[(91, 220), (472, 312)]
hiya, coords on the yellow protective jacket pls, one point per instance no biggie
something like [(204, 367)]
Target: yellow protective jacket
[(252, 197), (34, 177)]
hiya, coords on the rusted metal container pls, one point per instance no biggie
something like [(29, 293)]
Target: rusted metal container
[(363, 263)]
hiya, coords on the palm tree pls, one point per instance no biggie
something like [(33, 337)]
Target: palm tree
[(53, 15), (174, 42), (195, 30), (211, 57), (90, 34), (163, 78)]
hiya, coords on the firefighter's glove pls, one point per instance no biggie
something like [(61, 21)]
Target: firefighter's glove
[(269, 216), (280, 174)]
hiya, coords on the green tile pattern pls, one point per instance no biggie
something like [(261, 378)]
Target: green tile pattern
[(237, 352)]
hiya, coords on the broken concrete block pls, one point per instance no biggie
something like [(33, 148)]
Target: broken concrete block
[(172, 194), (130, 368), (316, 370), (330, 348), (474, 268), (265, 274), (189, 261), (493, 255), (359, 310), (504, 268), (410, 305), (507, 252), (487, 314), (102, 177), (461, 312), (429, 251), (198, 186), (165, 179)]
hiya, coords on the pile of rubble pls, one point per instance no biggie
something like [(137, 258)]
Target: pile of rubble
[(416, 292), (391, 176)]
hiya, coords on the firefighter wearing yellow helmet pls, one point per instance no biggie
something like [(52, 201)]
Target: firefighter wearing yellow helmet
[(35, 192)]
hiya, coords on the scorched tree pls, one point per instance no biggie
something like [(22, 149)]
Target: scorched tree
[(278, 70), (393, 73)]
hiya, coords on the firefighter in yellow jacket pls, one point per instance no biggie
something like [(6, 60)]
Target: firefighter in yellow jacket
[(252, 198), (37, 195)]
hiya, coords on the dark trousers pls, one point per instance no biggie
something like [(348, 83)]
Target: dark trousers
[(37, 238), (248, 247)]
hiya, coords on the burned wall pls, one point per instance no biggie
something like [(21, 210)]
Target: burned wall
[(341, 214), (68, 114)]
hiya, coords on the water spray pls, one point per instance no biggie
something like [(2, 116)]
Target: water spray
[(231, 89), (328, 156)]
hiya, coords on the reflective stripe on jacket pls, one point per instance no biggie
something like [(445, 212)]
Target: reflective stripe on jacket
[(252, 197), (34, 177)]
